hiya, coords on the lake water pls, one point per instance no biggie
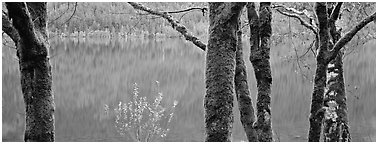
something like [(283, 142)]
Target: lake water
[(89, 75)]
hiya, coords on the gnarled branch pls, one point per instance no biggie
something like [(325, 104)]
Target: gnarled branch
[(175, 24)]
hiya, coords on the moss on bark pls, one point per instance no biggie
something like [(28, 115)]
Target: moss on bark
[(337, 129), (35, 68), (220, 70), (261, 30), (247, 114), (320, 74)]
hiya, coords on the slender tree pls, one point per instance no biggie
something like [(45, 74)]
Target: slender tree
[(247, 114), (261, 30), (220, 70), (30, 36)]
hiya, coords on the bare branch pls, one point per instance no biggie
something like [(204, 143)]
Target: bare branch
[(189, 9), (72, 14), (175, 24), (64, 12), (293, 10), (308, 49), (182, 16), (126, 13), (303, 22), (204, 10), (348, 36)]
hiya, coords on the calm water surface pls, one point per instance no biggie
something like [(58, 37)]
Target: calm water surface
[(89, 74)]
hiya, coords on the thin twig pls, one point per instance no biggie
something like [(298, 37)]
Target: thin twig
[(293, 10), (189, 9), (72, 14), (303, 22), (64, 12), (308, 49), (296, 51)]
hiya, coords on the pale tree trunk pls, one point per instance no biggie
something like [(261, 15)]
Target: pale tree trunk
[(35, 68), (336, 128), (261, 30), (247, 114), (220, 70)]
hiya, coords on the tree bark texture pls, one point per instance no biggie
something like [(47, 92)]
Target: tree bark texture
[(261, 30), (336, 128), (316, 115), (8, 28), (329, 74), (220, 70), (36, 78), (247, 114)]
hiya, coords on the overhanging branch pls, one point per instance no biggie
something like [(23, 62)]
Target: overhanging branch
[(175, 24), (348, 36), (293, 10), (303, 22)]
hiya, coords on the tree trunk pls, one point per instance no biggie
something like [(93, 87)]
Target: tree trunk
[(35, 68), (247, 114), (336, 128), (320, 75), (261, 31), (220, 70)]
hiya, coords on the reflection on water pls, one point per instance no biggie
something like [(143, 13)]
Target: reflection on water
[(88, 74)]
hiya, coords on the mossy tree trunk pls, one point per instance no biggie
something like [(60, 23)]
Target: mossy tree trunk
[(336, 128), (36, 78), (328, 99), (247, 114), (261, 30), (320, 74), (220, 70), (329, 81)]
